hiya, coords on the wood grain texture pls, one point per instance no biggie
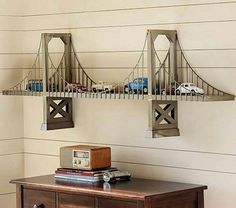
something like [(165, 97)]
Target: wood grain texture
[(37, 197), (186, 200), (75, 201), (106, 203), (200, 199), (19, 195), (134, 189), (48, 193), (100, 158)]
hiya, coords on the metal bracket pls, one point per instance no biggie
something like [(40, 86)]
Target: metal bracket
[(163, 119), (57, 113)]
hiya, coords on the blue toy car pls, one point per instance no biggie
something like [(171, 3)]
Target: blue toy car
[(36, 85), (139, 84)]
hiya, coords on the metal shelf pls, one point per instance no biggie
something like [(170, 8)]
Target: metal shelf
[(161, 83), (119, 96)]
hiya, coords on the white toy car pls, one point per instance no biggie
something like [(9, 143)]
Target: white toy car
[(189, 88), (102, 86)]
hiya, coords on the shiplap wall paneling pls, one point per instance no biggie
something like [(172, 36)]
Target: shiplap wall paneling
[(8, 200), (125, 122), (11, 108), (108, 36), (200, 36)]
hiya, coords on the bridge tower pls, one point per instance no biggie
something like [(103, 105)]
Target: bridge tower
[(67, 72), (163, 115), (57, 110)]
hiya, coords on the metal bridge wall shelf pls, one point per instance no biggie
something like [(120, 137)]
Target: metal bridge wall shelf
[(57, 113), (161, 82)]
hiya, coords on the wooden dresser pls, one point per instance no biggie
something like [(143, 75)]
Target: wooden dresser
[(46, 192)]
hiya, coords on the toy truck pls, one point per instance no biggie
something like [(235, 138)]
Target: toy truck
[(102, 86)]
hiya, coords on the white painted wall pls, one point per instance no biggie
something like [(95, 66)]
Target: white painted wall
[(108, 36), (11, 108)]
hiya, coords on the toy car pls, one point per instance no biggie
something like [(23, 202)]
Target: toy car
[(36, 85), (75, 87), (189, 88), (102, 86), (139, 84)]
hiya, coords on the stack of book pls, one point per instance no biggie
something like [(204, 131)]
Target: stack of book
[(82, 175)]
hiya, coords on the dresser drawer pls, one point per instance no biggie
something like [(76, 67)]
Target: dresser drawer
[(76, 201), (38, 199), (111, 203), (185, 200)]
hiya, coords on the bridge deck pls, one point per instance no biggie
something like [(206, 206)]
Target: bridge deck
[(131, 96)]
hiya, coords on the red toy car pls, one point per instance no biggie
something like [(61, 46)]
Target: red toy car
[(75, 87)]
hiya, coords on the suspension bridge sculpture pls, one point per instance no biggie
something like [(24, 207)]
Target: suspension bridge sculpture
[(162, 83)]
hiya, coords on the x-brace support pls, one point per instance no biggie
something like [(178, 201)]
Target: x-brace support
[(57, 113), (163, 119)]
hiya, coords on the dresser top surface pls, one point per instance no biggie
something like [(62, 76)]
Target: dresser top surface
[(136, 188)]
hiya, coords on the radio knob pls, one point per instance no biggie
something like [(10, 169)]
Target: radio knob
[(86, 163), (39, 206)]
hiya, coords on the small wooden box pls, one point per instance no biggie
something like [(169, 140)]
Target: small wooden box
[(85, 157)]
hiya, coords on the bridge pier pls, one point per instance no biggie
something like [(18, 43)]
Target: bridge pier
[(162, 119), (57, 113)]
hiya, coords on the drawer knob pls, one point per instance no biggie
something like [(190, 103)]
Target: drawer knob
[(39, 206)]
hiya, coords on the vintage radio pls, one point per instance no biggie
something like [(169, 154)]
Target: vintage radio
[(85, 157)]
